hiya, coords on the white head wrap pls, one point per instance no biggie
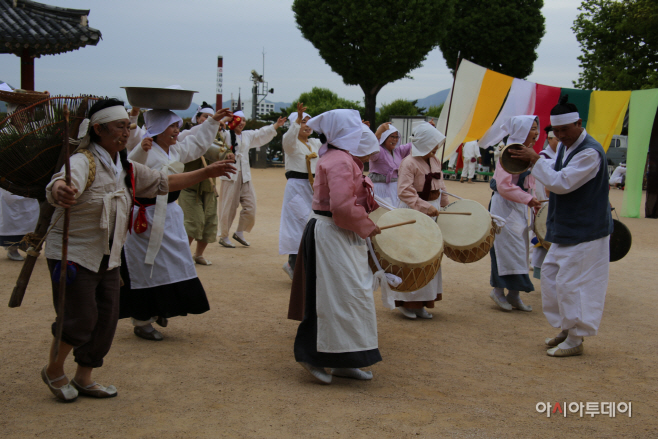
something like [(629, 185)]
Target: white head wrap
[(342, 128), (109, 114), (10, 107), (564, 119), (207, 110), (239, 114), (156, 121), (369, 144), (424, 139), (550, 134), (518, 128), (391, 129), (5, 87), (293, 117)]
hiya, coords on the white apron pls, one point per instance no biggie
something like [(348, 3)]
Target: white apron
[(434, 287), (511, 244), (297, 201), (387, 191), (18, 215), (174, 261), (345, 305)]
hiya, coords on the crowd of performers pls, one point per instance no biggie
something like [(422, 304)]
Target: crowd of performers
[(130, 240)]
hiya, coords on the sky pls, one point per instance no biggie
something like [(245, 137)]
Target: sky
[(157, 43)]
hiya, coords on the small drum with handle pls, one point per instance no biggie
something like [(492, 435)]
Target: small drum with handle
[(412, 252), (467, 238), (539, 226), (509, 163)]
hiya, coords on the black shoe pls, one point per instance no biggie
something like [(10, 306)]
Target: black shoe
[(240, 240), (162, 321)]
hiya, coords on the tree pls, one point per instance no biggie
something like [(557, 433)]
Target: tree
[(371, 43), (399, 107), (435, 111), (501, 35), (319, 100), (619, 41)]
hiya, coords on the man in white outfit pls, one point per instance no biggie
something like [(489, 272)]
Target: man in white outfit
[(574, 275), (471, 154)]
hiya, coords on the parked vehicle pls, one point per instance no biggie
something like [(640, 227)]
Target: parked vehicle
[(616, 153)]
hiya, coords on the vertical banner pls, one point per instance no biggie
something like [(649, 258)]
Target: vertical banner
[(640, 123), (606, 115), (220, 82), (546, 98), (492, 95)]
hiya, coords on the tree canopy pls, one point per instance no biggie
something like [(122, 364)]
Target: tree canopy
[(319, 100), (371, 43), (501, 35), (619, 41), (399, 107)]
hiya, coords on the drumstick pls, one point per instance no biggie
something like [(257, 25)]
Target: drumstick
[(454, 213), (397, 225), (543, 201)]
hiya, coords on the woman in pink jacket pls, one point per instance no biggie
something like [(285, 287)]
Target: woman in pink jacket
[(339, 326)]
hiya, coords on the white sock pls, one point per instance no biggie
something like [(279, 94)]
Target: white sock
[(226, 240), (514, 295), (571, 342), (500, 294), (239, 235)]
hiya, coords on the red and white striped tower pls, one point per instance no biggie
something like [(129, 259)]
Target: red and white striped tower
[(220, 74)]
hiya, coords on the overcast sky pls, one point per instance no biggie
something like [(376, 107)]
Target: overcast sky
[(156, 43)]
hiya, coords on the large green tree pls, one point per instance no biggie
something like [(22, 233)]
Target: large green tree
[(319, 100), (619, 41), (501, 35), (371, 43)]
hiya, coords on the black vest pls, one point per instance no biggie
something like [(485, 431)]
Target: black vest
[(582, 215)]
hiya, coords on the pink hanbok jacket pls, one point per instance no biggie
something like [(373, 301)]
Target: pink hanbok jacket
[(411, 181), (506, 185), (341, 188)]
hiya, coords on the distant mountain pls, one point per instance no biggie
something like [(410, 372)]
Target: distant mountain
[(434, 100)]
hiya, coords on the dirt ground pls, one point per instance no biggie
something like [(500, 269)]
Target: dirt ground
[(472, 372)]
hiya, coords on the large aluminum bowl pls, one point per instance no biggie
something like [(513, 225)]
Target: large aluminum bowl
[(159, 98)]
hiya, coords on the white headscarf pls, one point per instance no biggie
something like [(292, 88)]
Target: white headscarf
[(207, 110), (239, 114), (109, 114), (369, 144), (5, 87), (391, 129), (342, 129), (10, 106), (424, 139), (156, 121), (518, 128), (293, 117)]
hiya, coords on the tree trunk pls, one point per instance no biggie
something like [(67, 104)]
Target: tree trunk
[(370, 100)]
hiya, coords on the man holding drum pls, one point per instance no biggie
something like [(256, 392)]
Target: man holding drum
[(575, 272)]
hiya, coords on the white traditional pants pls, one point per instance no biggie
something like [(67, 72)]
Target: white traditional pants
[(469, 169), (233, 194), (574, 280)]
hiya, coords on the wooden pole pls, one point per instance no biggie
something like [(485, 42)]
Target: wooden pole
[(61, 296), (454, 213)]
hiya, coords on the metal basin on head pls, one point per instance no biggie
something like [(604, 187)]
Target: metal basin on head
[(159, 98)]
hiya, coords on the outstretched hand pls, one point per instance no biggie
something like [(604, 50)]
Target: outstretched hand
[(221, 168), (382, 129), (220, 114), (525, 154), (280, 121), (300, 112)]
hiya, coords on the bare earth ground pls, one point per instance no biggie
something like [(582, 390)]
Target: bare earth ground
[(471, 372)]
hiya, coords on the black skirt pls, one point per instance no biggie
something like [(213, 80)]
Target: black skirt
[(307, 333), (171, 300), (514, 282)]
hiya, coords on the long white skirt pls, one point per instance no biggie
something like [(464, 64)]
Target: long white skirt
[(387, 191), (434, 287), (297, 201), (173, 263)]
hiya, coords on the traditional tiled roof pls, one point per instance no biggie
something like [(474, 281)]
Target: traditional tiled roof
[(43, 29)]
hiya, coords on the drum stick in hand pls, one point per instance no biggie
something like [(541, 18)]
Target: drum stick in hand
[(441, 212), (404, 223), (543, 201)]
